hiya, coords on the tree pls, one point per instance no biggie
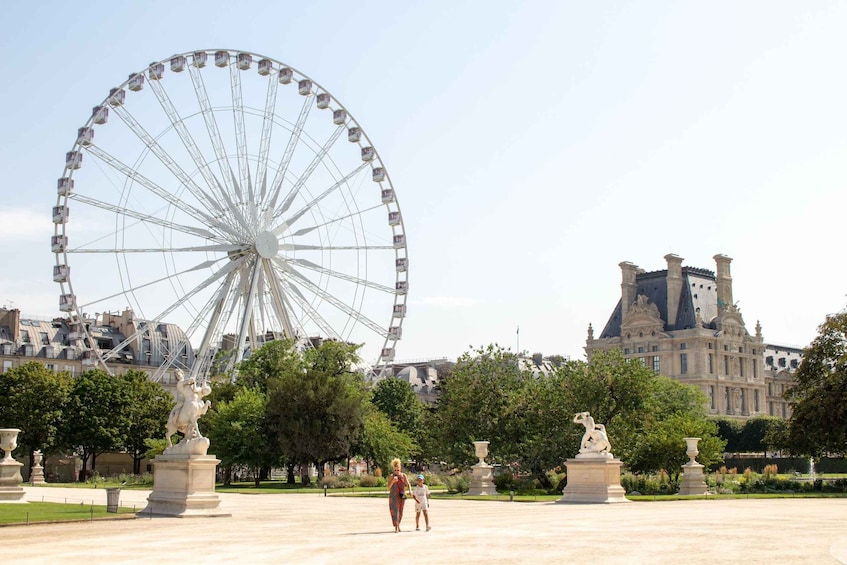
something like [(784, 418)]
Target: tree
[(479, 402), (147, 413), (382, 440), (754, 434), (730, 430), (317, 412), (32, 399), (272, 360), (818, 424), (395, 398), (96, 416), (237, 429)]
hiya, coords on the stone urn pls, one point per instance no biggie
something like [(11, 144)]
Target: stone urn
[(10, 470), (481, 451), (9, 441), (693, 480), (691, 448), (482, 479)]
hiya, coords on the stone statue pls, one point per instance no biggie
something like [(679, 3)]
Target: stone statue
[(188, 409), (594, 440)]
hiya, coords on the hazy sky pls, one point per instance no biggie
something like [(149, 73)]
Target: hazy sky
[(533, 145)]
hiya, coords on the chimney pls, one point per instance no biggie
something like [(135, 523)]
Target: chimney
[(628, 286), (674, 286), (724, 281)]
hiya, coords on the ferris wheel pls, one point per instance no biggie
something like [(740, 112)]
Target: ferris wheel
[(230, 195)]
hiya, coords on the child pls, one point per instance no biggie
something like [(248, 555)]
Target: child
[(421, 494)]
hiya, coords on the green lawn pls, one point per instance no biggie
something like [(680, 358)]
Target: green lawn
[(34, 512)]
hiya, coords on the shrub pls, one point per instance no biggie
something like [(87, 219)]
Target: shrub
[(505, 482), (338, 481), (371, 481), (457, 483)]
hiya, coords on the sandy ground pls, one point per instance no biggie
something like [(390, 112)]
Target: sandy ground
[(311, 528)]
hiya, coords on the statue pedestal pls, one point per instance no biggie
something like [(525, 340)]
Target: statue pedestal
[(183, 486), (36, 475), (482, 480), (594, 479), (11, 490), (693, 480)]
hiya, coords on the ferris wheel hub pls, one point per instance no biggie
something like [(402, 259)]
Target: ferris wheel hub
[(267, 245)]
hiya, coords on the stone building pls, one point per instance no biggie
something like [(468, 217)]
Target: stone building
[(62, 345), (683, 323)]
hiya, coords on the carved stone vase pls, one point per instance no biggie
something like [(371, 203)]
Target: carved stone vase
[(10, 470), (9, 441), (693, 480), (482, 480)]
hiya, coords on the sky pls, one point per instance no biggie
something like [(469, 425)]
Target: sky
[(533, 145)]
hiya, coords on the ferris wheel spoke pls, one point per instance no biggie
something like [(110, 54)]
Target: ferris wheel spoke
[(278, 301), (177, 304), (133, 174), (265, 141), (293, 140), (312, 313), (305, 247), (304, 177), (350, 312), (144, 218), (184, 135), (304, 231), (247, 313), (210, 200), (222, 247), (216, 275), (171, 276), (290, 221), (216, 305), (240, 135), (214, 133), (323, 270)]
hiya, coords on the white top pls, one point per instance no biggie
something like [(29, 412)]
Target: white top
[(421, 494)]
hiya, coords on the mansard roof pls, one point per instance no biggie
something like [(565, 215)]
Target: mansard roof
[(698, 294)]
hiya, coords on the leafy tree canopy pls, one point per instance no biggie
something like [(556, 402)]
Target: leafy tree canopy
[(33, 397), (818, 424)]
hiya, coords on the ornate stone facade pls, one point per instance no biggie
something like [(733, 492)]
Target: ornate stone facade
[(682, 322)]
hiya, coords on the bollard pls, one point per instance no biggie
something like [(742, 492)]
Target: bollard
[(511, 496), (324, 490)]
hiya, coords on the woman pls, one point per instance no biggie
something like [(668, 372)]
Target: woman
[(398, 484)]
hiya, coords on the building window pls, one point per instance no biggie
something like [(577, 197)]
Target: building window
[(656, 364), (711, 365), (683, 346), (7, 365), (726, 365), (683, 363), (69, 369), (51, 367), (25, 337), (641, 350), (710, 346), (654, 348), (45, 339), (712, 396), (626, 350), (726, 347), (755, 368), (756, 400), (740, 367)]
